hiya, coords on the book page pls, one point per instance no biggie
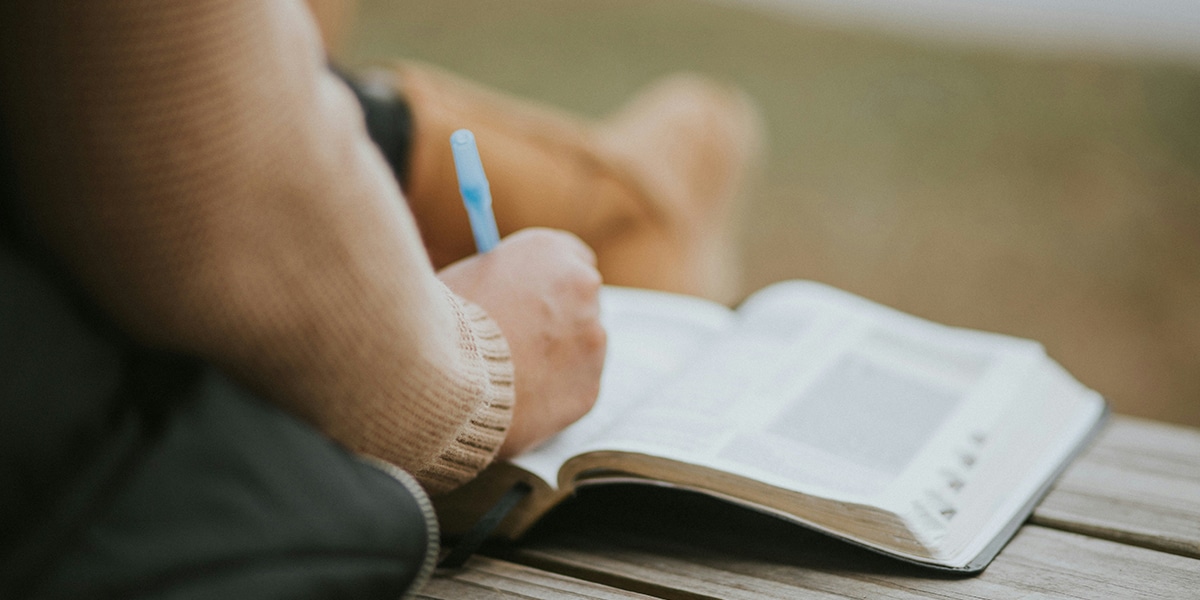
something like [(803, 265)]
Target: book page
[(652, 337), (819, 391), (988, 479)]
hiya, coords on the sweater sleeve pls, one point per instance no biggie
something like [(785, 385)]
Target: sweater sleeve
[(206, 179)]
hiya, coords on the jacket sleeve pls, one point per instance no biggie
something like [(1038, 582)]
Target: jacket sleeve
[(211, 184)]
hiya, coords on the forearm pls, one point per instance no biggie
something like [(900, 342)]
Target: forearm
[(210, 183)]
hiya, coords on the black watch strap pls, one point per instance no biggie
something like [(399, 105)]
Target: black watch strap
[(388, 117)]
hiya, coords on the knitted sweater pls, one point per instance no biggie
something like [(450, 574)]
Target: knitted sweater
[(211, 185)]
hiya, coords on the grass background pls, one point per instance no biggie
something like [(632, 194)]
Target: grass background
[(1056, 198)]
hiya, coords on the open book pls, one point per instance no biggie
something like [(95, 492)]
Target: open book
[(926, 442)]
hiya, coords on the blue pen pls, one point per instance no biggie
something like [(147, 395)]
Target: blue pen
[(473, 185)]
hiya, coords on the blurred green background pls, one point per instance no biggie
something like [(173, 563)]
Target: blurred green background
[(1050, 197)]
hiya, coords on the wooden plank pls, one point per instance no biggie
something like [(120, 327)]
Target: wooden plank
[(685, 547), (1040, 563), (1138, 484), (489, 578)]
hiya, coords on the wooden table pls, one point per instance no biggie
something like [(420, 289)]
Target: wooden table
[(1122, 522)]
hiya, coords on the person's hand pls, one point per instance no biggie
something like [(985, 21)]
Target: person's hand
[(542, 287)]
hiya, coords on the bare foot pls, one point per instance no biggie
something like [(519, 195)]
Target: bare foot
[(687, 145)]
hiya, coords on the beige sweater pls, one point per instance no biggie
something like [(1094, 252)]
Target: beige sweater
[(213, 187)]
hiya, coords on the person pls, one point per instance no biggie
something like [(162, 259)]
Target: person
[(196, 219)]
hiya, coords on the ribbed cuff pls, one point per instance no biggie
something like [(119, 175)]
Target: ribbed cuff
[(478, 440)]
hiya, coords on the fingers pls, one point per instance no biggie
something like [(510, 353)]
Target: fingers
[(553, 240), (542, 288)]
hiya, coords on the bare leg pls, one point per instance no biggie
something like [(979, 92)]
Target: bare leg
[(652, 189), (334, 18)]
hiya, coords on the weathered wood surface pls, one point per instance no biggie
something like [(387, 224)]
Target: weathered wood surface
[(1123, 521), (1138, 484), (703, 549), (488, 578), (1040, 563)]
